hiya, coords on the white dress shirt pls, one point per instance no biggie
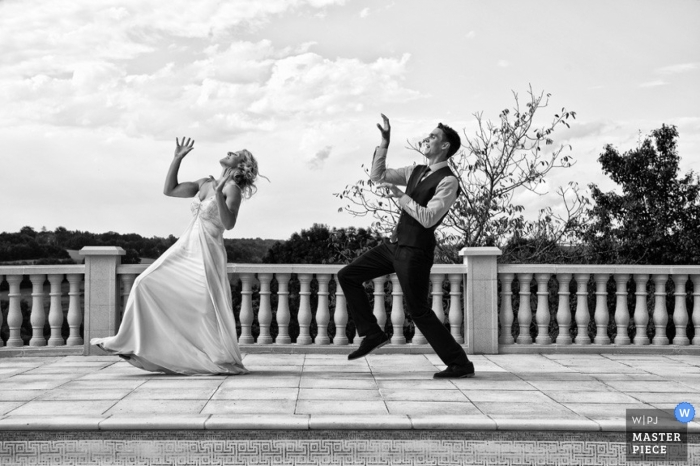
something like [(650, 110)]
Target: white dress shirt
[(445, 193)]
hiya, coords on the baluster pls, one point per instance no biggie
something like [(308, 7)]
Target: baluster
[(680, 313), (127, 284), (542, 313), (505, 317), (379, 309), (696, 308), (660, 314), (55, 310), (418, 337), (2, 278), (397, 312), (641, 313), (323, 315), (622, 312), (38, 314), (524, 311), (265, 311), (246, 314), (564, 309), (14, 315), (75, 313), (601, 315), (282, 315), (455, 311), (340, 315), (304, 315), (357, 338), (582, 313), (436, 280)]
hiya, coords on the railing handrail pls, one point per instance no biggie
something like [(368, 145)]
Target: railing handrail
[(288, 268), (597, 268), (334, 268), (38, 269)]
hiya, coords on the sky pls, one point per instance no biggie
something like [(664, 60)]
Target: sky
[(93, 95)]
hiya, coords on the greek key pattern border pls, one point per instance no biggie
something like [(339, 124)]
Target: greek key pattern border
[(313, 448)]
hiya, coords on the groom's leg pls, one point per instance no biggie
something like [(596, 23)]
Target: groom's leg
[(413, 267), (372, 264)]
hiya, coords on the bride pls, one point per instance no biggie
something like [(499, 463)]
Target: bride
[(179, 317)]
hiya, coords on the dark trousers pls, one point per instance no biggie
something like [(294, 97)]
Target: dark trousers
[(412, 267)]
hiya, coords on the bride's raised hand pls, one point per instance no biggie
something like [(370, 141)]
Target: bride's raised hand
[(221, 182), (183, 148)]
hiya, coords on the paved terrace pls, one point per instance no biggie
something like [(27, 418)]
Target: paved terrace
[(325, 391)]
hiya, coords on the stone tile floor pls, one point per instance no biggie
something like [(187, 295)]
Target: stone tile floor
[(316, 391)]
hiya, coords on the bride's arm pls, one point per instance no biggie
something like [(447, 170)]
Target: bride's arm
[(172, 187), (228, 200)]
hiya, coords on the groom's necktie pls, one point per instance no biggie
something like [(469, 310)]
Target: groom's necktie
[(424, 175), (425, 171)]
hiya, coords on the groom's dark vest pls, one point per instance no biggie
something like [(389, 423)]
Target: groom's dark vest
[(409, 231)]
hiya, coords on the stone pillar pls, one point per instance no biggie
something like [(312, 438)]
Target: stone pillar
[(102, 312), (481, 300)]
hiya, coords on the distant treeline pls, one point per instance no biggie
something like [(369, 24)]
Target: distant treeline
[(51, 247)]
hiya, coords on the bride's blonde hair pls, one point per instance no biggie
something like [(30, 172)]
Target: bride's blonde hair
[(246, 173)]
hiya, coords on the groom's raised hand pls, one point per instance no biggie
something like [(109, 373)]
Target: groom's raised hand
[(386, 132)]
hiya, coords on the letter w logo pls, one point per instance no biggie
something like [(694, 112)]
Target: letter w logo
[(684, 412)]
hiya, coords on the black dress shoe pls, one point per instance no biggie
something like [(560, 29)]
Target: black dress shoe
[(456, 372), (369, 344)]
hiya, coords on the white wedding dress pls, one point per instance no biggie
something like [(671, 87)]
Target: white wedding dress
[(179, 317)]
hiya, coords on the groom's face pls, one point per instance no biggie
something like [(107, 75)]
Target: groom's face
[(433, 144)]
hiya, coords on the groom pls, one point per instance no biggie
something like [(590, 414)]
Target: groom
[(430, 192)]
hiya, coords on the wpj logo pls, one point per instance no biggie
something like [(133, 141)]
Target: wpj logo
[(658, 435), (645, 420)]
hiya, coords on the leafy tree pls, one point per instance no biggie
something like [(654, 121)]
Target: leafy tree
[(310, 246), (656, 217), (247, 250), (321, 245), (500, 159), (541, 250), (49, 247), (29, 246), (27, 231)]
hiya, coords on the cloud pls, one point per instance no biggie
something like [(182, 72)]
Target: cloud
[(677, 69), (317, 161), (34, 40), (316, 3), (136, 69), (364, 13), (309, 84), (503, 63), (470, 35), (584, 130), (655, 83)]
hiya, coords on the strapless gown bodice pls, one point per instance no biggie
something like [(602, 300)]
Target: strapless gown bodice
[(207, 212)]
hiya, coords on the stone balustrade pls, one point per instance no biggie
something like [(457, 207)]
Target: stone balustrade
[(317, 307), (489, 308), (64, 304), (618, 325)]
